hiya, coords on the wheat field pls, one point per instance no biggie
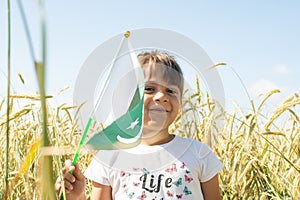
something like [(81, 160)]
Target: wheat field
[(261, 158), (260, 148)]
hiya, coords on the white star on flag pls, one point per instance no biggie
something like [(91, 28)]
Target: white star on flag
[(133, 124)]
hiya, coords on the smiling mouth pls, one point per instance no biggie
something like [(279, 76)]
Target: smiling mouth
[(158, 110)]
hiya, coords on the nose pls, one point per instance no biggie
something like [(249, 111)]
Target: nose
[(160, 96)]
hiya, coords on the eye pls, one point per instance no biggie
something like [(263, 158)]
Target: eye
[(149, 89), (171, 91)]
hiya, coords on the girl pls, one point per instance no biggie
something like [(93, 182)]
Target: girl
[(163, 165)]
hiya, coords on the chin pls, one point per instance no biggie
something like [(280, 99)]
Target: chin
[(153, 126)]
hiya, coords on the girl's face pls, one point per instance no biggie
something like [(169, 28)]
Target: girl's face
[(161, 102)]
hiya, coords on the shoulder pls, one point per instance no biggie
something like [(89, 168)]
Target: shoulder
[(197, 147), (189, 141)]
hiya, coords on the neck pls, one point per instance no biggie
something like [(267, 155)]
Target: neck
[(151, 137)]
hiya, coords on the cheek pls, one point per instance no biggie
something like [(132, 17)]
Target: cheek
[(175, 113), (147, 99), (176, 104), (146, 103)]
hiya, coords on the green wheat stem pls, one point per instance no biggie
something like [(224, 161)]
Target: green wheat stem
[(8, 95), (27, 33), (47, 171)]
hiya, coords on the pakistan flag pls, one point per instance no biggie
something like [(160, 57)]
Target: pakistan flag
[(121, 103)]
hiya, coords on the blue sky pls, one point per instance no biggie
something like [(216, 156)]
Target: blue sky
[(259, 39)]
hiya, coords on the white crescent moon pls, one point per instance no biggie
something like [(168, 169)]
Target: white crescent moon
[(129, 140)]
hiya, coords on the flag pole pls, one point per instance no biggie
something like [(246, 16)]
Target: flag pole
[(126, 34)]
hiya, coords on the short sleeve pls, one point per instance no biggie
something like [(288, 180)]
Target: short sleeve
[(210, 165), (97, 172)]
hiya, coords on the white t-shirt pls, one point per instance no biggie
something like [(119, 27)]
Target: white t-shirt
[(170, 171)]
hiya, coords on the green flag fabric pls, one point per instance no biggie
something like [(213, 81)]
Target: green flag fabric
[(124, 131)]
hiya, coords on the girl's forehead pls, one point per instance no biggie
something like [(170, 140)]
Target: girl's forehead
[(163, 76), (161, 72), (155, 75)]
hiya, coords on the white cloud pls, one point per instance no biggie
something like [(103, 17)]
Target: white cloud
[(262, 87), (280, 69)]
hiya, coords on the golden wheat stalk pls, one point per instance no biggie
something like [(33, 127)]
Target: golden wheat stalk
[(15, 115), (279, 110), (266, 97), (28, 96)]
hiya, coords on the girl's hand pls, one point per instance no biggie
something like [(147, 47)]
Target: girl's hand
[(74, 183)]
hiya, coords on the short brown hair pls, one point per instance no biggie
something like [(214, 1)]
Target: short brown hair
[(157, 57)]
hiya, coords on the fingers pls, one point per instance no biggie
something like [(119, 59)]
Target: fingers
[(68, 186), (75, 174), (73, 178), (68, 166), (57, 185), (78, 174), (69, 177)]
